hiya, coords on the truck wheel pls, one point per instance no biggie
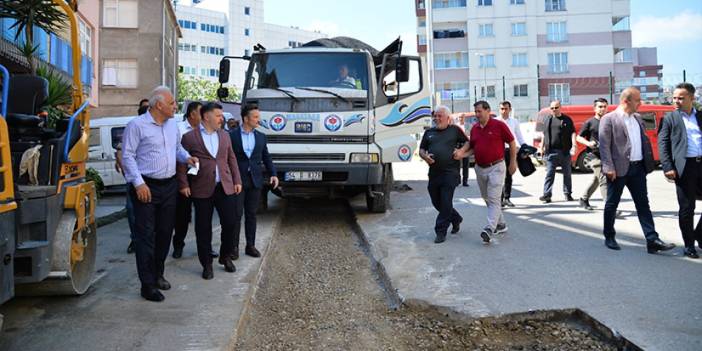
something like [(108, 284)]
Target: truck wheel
[(581, 162), (378, 196)]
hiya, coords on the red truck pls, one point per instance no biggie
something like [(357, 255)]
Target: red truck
[(650, 114)]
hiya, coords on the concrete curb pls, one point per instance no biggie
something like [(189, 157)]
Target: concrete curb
[(111, 218)]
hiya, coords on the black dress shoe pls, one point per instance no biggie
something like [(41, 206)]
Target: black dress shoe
[(214, 254), (177, 252), (465, 183), (251, 251), (162, 283), (585, 204), (228, 265), (235, 255), (545, 199), (654, 246), (207, 272), (569, 198), (455, 227), (507, 203), (440, 238), (152, 294), (130, 248), (691, 252), (612, 244)]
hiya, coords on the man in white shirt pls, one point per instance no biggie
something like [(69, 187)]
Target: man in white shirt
[(513, 124)]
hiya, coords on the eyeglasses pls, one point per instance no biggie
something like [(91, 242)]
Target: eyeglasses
[(555, 108)]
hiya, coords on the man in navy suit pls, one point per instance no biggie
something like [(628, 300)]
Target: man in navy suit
[(680, 146), (251, 155)]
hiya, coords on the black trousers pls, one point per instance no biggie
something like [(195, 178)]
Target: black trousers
[(465, 167), (686, 188), (441, 188), (182, 220), (246, 206), (507, 189), (154, 223), (204, 208)]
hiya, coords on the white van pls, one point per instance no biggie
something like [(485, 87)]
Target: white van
[(105, 135)]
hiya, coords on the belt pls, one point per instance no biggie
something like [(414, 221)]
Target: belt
[(635, 162), (158, 181), (491, 163), (695, 159)]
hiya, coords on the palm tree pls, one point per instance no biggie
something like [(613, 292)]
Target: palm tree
[(27, 14)]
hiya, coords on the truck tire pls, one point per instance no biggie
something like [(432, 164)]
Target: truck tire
[(580, 163), (378, 196)]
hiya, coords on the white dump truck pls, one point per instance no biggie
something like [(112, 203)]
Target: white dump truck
[(337, 114)]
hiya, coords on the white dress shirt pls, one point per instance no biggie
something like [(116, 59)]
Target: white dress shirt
[(513, 125), (211, 141), (694, 137), (634, 130)]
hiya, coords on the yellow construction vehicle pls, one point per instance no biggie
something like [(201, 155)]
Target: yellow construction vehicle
[(47, 214)]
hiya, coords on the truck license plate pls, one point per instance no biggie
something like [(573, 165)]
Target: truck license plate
[(303, 127), (303, 176)]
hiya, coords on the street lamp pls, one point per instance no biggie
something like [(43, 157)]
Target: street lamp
[(484, 63)]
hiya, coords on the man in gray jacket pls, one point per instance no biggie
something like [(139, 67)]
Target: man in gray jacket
[(627, 157), (680, 146)]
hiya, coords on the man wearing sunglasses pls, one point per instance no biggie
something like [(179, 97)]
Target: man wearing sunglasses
[(557, 146)]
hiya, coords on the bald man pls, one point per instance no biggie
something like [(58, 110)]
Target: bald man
[(627, 157)]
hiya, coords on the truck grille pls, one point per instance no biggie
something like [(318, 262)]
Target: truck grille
[(318, 139), (308, 157)]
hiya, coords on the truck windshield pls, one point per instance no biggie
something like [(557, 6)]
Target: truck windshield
[(312, 69)]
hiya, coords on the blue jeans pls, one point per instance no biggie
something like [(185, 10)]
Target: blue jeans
[(130, 212), (635, 181), (554, 159)]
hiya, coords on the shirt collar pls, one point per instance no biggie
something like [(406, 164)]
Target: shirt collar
[(150, 118), (204, 130), (693, 112), (244, 132)]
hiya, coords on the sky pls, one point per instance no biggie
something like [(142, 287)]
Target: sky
[(673, 26)]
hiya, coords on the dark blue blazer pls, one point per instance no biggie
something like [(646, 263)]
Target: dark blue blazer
[(253, 167), (672, 141)]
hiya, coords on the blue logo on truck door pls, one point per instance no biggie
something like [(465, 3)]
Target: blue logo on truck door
[(332, 123), (409, 114), (277, 122)]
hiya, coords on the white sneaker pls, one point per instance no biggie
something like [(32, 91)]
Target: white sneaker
[(501, 228)]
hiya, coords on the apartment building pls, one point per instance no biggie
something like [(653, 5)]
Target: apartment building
[(527, 51), (232, 30), (648, 74), (138, 51)]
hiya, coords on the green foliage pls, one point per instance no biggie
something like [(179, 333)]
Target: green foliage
[(93, 175), (194, 88), (60, 94)]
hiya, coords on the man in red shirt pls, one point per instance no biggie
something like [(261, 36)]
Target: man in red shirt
[(487, 139)]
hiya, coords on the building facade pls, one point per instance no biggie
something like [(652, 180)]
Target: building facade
[(648, 74), (138, 51), (210, 34), (528, 52)]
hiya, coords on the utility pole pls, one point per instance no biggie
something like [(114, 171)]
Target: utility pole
[(504, 96)]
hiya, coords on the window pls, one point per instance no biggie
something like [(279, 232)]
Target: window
[(556, 32), (521, 90), (247, 32), (422, 39), (453, 90), (120, 73), (487, 61), (649, 120), (451, 60), (622, 55), (519, 29), (422, 22), (85, 35), (420, 4), (449, 33), (558, 62), (203, 71), (642, 73), (247, 10), (490, 91), (94, 139), (203, 49), (485, 30), (559, 91), (620, 24), (516, 2), (442, 4), (519, 60), (484, 2), (555, 5), (120, 13), (221, 29)]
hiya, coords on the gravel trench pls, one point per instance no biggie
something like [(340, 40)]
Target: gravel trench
[(319, 292)]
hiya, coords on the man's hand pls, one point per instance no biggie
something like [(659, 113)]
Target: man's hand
[(143, 193), (458, 154), (118, 168), (274, 182), (671, 175), (611, 175), (185, 192), (193, 161), (237, 189), (512, 167), (428, 158)]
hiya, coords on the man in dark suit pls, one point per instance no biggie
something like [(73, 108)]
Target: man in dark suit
[(680, 147), (251, 154), (627, 157), (214, 183)]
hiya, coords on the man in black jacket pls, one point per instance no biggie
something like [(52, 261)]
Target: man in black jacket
[(680, 147), (251, 154), (557, 145)]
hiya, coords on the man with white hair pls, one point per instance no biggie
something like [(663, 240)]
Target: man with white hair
[(151, 146), (436, 149)]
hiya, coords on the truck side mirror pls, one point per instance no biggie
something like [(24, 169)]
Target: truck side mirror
[(402, 71), (223, 71), (222, 93)]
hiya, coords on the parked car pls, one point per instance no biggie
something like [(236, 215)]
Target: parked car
[(105, 135)]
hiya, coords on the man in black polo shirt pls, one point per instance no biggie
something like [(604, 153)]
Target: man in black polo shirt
[(559, 139), (436, 148), (589, 137)]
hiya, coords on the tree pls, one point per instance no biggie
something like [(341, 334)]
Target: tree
[(194, 88), (44, 14)]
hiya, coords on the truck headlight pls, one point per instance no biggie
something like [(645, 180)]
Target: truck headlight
[(364, 158)]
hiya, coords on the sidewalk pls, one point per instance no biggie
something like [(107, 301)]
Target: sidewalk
[(553, 257)]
